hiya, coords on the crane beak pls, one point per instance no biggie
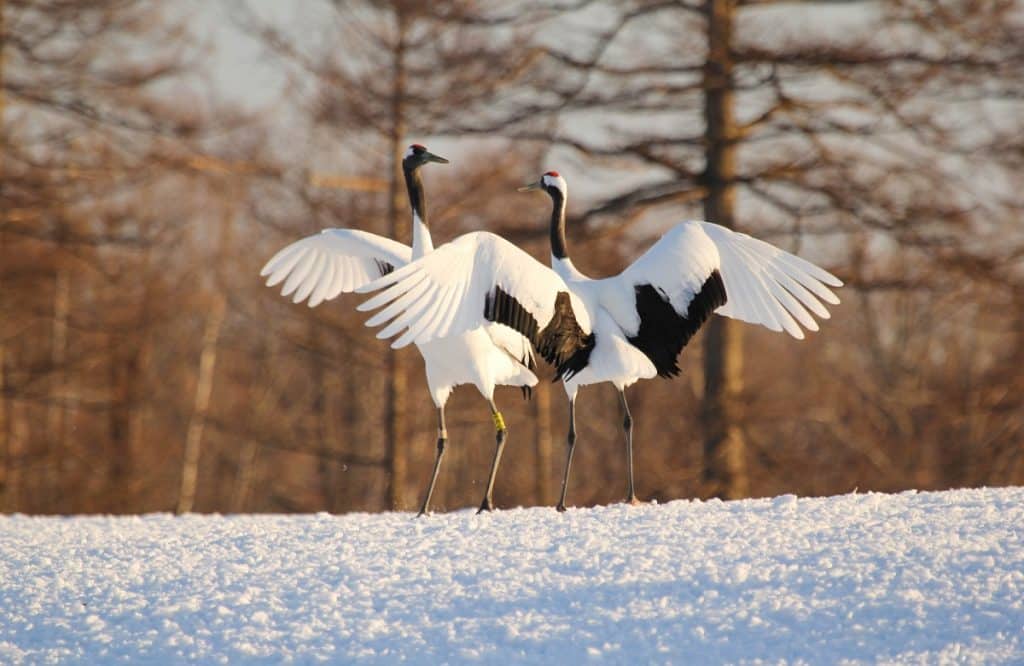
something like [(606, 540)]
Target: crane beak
[(530, 187), (431, 157)]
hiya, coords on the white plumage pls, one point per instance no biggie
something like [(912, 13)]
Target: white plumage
[(335, 261), (332, 262), (619, 329), (446, 290), (764, 285)]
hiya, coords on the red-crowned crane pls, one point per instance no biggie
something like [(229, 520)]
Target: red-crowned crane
[(324, 265), (619, 329)]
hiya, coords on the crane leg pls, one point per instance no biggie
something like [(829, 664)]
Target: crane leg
[(501, 434), (571, 446), (442, 439), (627, 426)]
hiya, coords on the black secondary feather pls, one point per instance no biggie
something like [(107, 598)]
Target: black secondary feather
[(664, 332), (561, 343)]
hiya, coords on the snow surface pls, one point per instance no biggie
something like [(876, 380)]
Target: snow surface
[(910, 578)]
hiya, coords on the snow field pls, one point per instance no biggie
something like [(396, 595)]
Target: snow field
[(865, 578)]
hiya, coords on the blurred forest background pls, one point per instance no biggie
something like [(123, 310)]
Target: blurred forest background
[(145, 367)]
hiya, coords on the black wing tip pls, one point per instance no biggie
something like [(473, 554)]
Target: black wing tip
[(669, 372), (663, 332), (578, 360), (714, 286)]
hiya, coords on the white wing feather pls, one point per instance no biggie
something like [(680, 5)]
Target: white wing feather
[(764, 284), (444, 292), (517, 346), (778, 288), (321, 266)]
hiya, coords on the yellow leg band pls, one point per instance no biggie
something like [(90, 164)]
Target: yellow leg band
[(499, 422)]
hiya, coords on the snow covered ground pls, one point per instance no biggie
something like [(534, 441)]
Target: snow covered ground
[(910, 578)]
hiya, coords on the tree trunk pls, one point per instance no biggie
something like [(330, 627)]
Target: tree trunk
[(356, 404), (204, 389), (724, 466), (5, 439), (545, 490), (326, 441), (246, 474), (125, 375), (6, 471), (18, 433), (4, 430), (129, 405), (138, 406), (397, 444), (55, 444), (249, 452)]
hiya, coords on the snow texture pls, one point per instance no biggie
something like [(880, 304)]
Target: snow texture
[(863, 578)]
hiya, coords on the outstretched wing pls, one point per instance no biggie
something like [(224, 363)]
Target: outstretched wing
[(769, 286), (479, 278), (697, 268), (333, 261)]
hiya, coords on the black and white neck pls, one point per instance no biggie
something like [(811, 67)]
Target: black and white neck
[(421, 242), (558, 247), (557, 189), (415, 157)]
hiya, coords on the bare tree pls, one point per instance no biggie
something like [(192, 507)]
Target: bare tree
[(884, 140), (93, 154), (409, 68), (802, 134)]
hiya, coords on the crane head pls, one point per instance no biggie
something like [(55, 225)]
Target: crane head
[(550, 182), (417, 155)]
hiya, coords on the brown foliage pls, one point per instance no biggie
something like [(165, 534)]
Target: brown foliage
[(136, 210)]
